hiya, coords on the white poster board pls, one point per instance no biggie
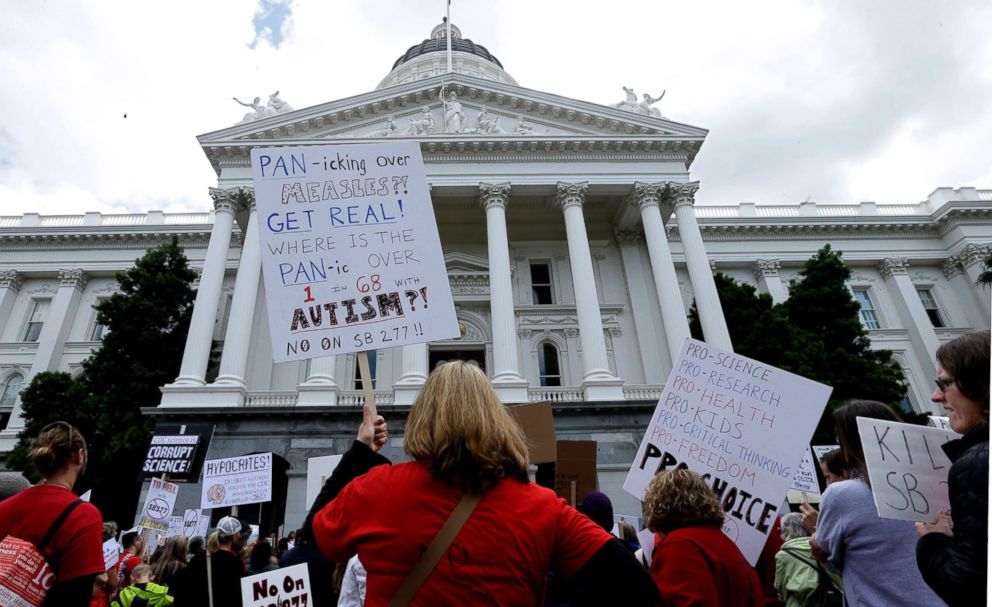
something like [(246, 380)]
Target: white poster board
[(741, 424), (86, 496), (233, 481), (175, 526), (943, 423), (907, 468), (820, 450), (805, 478), (350, 250), (286, 586), (111, 553), (195, 522), (159, 502), (318, 471)]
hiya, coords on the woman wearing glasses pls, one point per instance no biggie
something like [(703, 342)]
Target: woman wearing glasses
[(75, 552), (954, 562)]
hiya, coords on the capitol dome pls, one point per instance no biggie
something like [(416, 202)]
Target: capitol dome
[(429, 58)]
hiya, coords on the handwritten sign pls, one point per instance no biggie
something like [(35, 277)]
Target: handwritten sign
[(319, 469), (175, 526), (943, 423), (907, 468), (820, 450), (111, 553), (287, 586), (192, 523), (741, 424), (805, 478), (237, 480), (159, 502), (350, 251)]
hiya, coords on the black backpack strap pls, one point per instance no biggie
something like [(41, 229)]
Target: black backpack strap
[(50, 535)]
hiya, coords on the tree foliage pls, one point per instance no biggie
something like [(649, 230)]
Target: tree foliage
[(147, 322), (985, 278), (816, 333)]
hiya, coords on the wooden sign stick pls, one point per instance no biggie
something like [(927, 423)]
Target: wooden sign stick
[(573, 483), (366, 374)]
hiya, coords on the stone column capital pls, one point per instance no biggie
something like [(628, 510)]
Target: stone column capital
[(765, 267), (629, 237), (224, 202), (494, 195), (973, 254), (952, 267), (893, 266), (684, 193), (571, 194), (647, 194), (73, 278), (247, 198), (11, 279)]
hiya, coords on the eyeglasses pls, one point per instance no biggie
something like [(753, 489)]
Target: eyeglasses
[(943, 384), (68, 426)]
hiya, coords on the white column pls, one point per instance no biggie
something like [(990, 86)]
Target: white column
[(895, 271), (598, 383), (320, 387), (707, 301), (766, 275), (971, 260), (234, 359), (506, 377), (414, 374), (647, 198), (51, 341), (201, 326), (10, 286), (649, 327), (977, 307)]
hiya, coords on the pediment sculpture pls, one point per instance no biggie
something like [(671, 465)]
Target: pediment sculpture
[(644, 106), (273, 107)]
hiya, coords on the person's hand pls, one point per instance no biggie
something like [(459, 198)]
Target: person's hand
[(373, 433), (815, 549), (941, 525), (810, 515)]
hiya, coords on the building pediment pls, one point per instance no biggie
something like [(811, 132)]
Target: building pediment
[(497, 117)]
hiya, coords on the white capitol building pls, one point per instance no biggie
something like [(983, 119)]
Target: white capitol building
[(573, 247)]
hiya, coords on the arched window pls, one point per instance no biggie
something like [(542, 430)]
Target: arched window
[(11, 388), (550, 371)]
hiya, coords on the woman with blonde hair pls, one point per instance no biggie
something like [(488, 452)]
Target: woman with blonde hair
[(172, 562), (693, 562), (465, 447)]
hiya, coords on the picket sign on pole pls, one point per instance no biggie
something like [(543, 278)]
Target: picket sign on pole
[(146, 533), (367, 389)]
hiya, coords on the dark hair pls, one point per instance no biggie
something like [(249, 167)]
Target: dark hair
[(261, 555), (196, 546), (966, 359), (834, 461), (54, 447), (283, 544), (846, 428), (129, 538)]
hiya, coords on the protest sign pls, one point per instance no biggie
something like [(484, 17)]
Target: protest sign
[(646, 539), (351, 256), (820, 450), (938, 421), (741, 424), (233, 481), (25, 577), (805, 478), (86, 496), (203, 525), (318, 471), (575, 470), (907, 468), (159, 502), (538, 424), (288, 586), (175, 526), (111, 553), (177, 450), (191, 522)]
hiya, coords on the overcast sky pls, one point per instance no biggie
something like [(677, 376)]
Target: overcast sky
[(828, 101)]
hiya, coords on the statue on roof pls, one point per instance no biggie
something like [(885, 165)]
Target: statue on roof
[(258, 112), (630, 103), (646, 103), (388, 131), (424, 126), (523, 127), (454, 115), (488, 124), (277, 105)]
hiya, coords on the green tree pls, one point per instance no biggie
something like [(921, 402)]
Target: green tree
[(147, 322), (985, 278)]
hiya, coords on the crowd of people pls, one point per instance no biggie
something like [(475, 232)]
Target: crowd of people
[(462, 524)]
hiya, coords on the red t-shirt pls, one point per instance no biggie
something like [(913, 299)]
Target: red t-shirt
[(517, 533), (700, 566), (78, 544), (125, 566)]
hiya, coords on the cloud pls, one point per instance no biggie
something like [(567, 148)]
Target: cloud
[(838, 102)]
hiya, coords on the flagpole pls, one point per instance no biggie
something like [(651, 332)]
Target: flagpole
[(447, 22)]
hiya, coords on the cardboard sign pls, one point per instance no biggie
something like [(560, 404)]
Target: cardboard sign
[(203, 525), (319, 469), (805, 478), (175, 526), (86, 496), (907, 469), (538, 424), (576, 463), (111, 553), (25, 576), (351, 256), (177, 450), (159, 502), (287, 586), (646, 538), (820, 450), (191, 522), (943, 423), (234, 481), (741, 424)]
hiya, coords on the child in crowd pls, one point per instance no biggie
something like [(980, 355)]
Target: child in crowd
[(142, 591)]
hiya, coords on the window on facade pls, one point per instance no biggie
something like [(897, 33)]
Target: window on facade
[(358, 369), (11, 388), (99, 329), (550, 372), (930, 305), (868, 315), (39, 312), (540, 283)]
